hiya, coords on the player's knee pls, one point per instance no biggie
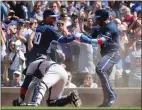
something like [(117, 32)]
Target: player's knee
[(43, 86), (99, 70)]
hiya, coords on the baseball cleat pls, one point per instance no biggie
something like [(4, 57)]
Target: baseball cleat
[(75, 98), (109, 103), (23, 104), (16, 102), (32, 104)]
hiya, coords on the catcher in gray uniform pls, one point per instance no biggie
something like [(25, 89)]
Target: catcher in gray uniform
[(49, 76)]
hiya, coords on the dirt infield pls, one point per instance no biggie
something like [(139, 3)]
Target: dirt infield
[(127, 97)]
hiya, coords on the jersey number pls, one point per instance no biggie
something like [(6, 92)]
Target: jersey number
[(37, 38)]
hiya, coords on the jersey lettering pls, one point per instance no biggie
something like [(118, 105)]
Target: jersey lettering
[(37, 38)]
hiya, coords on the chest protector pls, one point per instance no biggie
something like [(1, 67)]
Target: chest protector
[(38, 73)]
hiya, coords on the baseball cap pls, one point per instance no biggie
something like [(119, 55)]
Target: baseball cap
[(41, 56), (21, 21), (88, 8), (13, 23), (118, 21), (49, 13), (101, 13), (17, 72)]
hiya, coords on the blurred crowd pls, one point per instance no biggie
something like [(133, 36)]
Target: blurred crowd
[(19, 20)]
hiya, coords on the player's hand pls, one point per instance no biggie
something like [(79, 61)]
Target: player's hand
[(77, 36)]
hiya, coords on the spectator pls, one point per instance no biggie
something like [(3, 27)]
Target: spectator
[(112, 15), (21, 10), (14, 58), (77, 16), (136, 8), (65, 47), (89, 27), (89, 82), (4, 11), (69, 83), (33, 24), (71, 9), (75, 27), (97, 5), (12, 32), (66, 19), (63, 10), (135, 74), (127, 16), (3, 46), (2, 51), (55, 8), (37, 13), (55, 52), (28, 29), (20, 30), (17, 82)]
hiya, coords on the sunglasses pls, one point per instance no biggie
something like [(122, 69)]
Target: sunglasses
[(37, 5), (60, 24)]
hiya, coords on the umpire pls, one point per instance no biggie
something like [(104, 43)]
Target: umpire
[(107, 37)]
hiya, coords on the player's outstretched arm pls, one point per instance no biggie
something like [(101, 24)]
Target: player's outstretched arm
[(68, 39), (98, 41)]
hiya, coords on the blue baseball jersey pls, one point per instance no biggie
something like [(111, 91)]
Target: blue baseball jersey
[(112, 42), (43, 37)]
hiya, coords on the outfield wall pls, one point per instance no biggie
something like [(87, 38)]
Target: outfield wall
[(127, 97)]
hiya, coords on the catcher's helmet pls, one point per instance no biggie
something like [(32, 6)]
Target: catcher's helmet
[(41, 56)]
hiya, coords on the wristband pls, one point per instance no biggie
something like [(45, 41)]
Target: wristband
[(99, 41)]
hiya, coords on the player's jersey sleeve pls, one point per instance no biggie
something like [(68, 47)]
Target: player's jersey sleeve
[(68, 39), (95, 32), (56, 33), (60, 37)]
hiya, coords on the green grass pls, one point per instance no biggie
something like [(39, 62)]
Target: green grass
[(69, 108)]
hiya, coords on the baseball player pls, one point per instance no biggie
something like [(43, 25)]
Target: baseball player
[(45, 34), (53, 78), (107, 37)]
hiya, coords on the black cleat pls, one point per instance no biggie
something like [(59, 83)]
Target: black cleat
[(75, 98), (109, 103), (16, 102)]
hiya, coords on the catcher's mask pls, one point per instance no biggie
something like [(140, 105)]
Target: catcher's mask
[(42, 56)]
